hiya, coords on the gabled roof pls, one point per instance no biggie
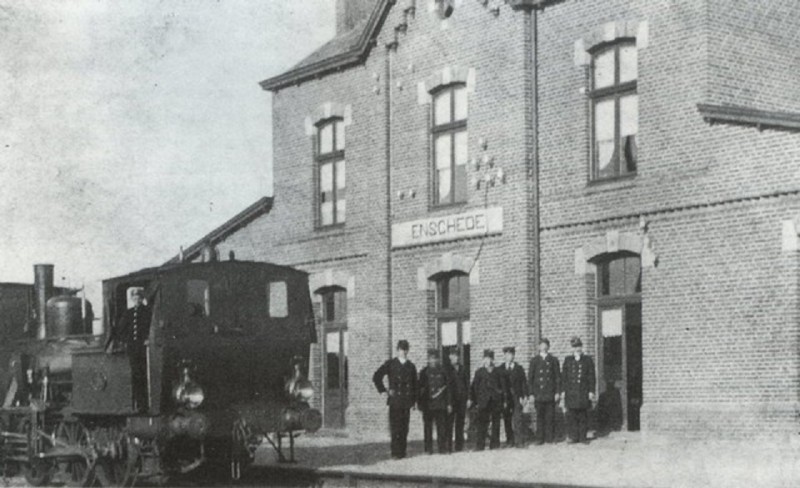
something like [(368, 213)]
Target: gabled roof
[(346, 49), (260, 207)]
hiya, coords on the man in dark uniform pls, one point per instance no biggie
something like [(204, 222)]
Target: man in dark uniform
[(545, 386), (401, 395), (435, 401), (577, 384), (459, 381), (487, 393), (132, 332), (516, 394)]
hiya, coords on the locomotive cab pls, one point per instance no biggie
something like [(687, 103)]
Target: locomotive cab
[(224, 340)]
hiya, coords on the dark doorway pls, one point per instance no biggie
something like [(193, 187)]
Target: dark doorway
[(619, 342), (452, 315), (334, 316)]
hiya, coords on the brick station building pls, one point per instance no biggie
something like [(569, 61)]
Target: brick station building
[(474, 174)]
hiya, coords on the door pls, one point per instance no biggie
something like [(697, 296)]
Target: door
[(619, 341), (620, 366), (335, 388), (336, 378)]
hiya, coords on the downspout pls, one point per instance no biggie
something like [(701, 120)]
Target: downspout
[(537, 282), (531, 119), (387, 77)]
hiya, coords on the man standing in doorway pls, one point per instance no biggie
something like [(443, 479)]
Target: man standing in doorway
[(400, 396), (545, 380), (459, 381), (133, 331), (435, 401), (487, 393), (577, 383), (516, 394)]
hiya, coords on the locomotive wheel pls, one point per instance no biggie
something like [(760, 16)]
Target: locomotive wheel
[(75, 471), (121, 469), (38, 472)]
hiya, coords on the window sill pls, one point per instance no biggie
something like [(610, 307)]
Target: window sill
[(436, 207), (610, 184), (329, 228)]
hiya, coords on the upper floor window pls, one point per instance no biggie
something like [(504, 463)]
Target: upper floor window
[(615, 111), (331, 206), (449, 131)]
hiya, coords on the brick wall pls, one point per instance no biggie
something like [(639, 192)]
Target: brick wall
[(720, 310)]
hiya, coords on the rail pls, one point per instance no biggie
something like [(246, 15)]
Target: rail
[(327, 477)]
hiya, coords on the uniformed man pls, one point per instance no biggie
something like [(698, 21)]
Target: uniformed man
[(487, 394), (459, 380), (545, 387), (435, 400), (132, 332), (401, 395), (577, 384), (516, 394)]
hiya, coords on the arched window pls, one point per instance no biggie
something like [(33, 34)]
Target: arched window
[(334, 324), (331, 174), (615, 110), (449, 133), (452, 314), (619, 339)]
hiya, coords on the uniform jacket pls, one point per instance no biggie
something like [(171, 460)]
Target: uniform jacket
[(133, 328), (545, 378), (402, 382), (488, 389), (459, 378), (577, 381), (435, 389), (516, 383)]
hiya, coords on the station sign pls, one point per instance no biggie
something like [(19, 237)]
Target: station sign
[(474, 223)]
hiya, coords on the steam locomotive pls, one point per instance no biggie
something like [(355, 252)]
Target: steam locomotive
[(226, 362)]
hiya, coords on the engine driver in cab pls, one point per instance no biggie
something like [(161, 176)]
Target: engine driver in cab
[(131, 332)]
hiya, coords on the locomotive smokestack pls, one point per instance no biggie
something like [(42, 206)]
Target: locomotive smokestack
[(43, 290)]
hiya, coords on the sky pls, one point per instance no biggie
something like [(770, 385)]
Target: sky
[(130, 128)]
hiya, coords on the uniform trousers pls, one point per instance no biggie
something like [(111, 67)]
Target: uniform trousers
[(512, 419), (545, 421), (455, 428), (439, 418), (398, 427), (577, 423), (486, 415), (137, 355)]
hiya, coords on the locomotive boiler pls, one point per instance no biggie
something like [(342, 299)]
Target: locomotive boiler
[(226, 362)]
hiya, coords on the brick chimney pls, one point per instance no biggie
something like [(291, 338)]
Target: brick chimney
[(351, 12)]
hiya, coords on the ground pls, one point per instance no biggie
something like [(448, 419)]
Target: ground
[(619, 460)]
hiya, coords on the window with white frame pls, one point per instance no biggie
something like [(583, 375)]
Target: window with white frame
[(450, 143), (331, 173), (615, 110)]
